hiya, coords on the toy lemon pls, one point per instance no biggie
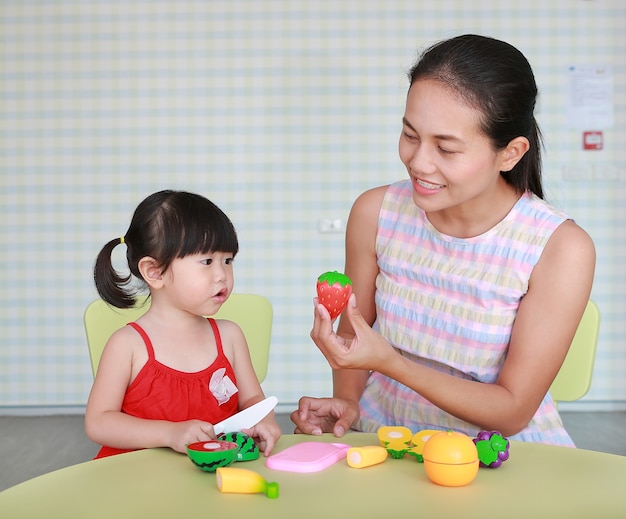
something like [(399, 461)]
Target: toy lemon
[(450, 459)]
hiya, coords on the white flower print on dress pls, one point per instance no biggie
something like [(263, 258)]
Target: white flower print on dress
[(222, 386)]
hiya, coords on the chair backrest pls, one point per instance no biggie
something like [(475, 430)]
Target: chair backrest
[(574, 378), (252, 312)]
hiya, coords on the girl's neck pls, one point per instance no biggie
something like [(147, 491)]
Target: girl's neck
[(162, 314)]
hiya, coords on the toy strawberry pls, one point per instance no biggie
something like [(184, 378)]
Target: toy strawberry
[(333, 291)]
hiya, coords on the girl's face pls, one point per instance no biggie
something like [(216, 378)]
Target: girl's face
[(452, 165), (200, 283)]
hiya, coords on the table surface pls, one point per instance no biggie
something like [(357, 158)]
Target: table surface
[(536, 481)]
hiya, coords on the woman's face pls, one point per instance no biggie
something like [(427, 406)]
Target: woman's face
[(451, 163)]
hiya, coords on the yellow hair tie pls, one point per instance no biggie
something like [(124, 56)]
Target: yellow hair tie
[(122, 240)]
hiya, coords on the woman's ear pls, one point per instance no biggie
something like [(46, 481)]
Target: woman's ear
[(513, 153), (150, 272)]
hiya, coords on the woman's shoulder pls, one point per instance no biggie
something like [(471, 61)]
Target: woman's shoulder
[(567, 232), (374, 196), (368, 202), (569, 236), (538, 208)]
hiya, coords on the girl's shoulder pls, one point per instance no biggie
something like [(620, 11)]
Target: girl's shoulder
[(124, 348), (230, 332), (125, 339)]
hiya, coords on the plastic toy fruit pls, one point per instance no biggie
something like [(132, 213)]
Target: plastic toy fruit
[(450, 459), (247, 449), (333, 291), (244, 481), (493, 448), (212, 454), (420, 438), (396, 439), (361, 457)]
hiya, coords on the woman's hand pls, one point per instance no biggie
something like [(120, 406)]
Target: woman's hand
[(367, 350), (319, 415)]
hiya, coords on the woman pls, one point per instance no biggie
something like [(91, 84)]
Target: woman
[(469, 285)]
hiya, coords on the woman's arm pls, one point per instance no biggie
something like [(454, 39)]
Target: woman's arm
[(546, 322), (362, 268), (338, 414)]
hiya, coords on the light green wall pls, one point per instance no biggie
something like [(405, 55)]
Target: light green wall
[(281, 112)]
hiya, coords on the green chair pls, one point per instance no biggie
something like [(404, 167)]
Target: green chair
[(253, 313), (574, 378)]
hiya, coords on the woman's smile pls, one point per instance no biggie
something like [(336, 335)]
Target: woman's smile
[(426, 188)]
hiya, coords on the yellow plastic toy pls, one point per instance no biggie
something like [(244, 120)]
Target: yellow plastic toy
[(396, 439), (243, 481), (574, 378), (361, 457), (419, 439)]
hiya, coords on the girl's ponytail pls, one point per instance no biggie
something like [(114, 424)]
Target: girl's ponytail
[(112, 287)]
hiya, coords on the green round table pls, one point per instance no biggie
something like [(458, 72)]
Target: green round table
[(537, 481)]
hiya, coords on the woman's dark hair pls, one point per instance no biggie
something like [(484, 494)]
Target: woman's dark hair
[(496, 79), (165, 226)]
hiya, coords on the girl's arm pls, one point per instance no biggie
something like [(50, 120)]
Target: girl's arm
[(106, 424), (266, 432)]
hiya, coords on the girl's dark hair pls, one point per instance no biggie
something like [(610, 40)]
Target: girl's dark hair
[(165, 226), (495, 78)]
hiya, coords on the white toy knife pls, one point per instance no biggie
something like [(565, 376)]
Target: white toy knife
[(247, 418)]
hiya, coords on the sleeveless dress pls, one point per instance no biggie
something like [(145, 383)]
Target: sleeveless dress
[(450, 303), (163, 393)]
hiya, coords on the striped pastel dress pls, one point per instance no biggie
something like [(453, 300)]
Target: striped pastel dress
[(449, 303)]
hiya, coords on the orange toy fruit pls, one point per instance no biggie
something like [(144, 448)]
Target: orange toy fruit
[(450, 459)]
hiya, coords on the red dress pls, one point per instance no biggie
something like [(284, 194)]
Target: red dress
[(162, 393)]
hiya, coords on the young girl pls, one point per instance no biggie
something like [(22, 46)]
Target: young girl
[(469, 285), (165, 379)]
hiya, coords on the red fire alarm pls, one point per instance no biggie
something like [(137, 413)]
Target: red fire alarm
[(593, 140)]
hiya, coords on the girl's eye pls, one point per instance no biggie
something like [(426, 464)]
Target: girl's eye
[(207, 261), (409, 136), (229, 261), (445, 151)]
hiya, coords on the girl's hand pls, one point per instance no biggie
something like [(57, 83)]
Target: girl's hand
[(320, 415), (265, 434), (183, 433)]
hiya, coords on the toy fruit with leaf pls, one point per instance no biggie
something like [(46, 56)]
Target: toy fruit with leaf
[(493, 448), (333, 291), (396, 439)]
